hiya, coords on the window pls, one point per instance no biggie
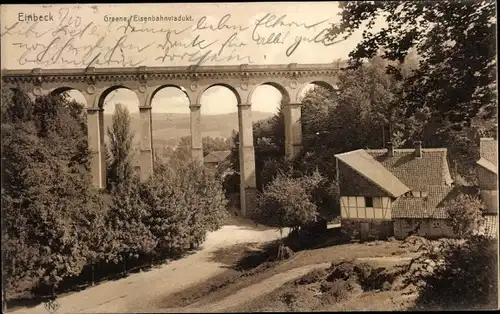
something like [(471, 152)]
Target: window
[(368, 202)]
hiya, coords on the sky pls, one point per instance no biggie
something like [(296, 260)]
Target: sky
[(74, 36)]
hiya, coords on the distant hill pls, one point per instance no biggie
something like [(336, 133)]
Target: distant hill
[(168, 128)]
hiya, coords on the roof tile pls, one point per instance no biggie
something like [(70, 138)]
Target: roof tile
[(488, 150), (431, 206), (217, 156), (366, 165), (417, 173)]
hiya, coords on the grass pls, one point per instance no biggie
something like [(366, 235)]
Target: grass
[(250, 264)]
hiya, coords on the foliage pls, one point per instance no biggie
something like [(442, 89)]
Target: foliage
[(55, 223), (125, 220), (456, 70), (120, 148), (211, 144), (47, 200), (183, 204), (466, 214), (287, 202), (455, 275), (182, 153)]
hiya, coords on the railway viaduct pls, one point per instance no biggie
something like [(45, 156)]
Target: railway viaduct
[(96, 83)]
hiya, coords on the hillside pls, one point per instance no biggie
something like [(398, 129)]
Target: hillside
[(168, 128)]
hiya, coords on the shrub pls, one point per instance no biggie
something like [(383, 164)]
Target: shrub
[(47, 200), (466, 215), (341, 290), (125, 219), (183, 204), (286, 202), (455, 275), (343, 270), (313, 276), (299, 298)]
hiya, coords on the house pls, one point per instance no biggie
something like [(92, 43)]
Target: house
[(214, 159), (487, 173), (395, 192)]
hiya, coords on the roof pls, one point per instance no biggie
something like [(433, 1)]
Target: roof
[(367, 166), (417, 173), (217, 156), (488, 165), (488, 153), (490, 227), (404, 172), (432, 206)]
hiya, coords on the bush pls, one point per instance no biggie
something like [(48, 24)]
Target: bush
[(456, 275), (342, 270), (341, 290), (287, 202), (299, 299), (182, 206), (47, 200), (364, 274), (57, 227), (126, 220), (466, 214), (313, 276)]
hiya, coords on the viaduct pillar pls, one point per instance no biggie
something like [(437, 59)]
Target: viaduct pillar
[(293, 129), (196, 140), (95, 132), (146, 143), (248, 185)]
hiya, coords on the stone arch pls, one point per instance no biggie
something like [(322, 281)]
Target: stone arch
[(320, 83), (108, 91), (157, 89), (231, 88), (285, 95), (65, 89)]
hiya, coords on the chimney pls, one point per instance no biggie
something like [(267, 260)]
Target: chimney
[(418, 149), (390, 149)]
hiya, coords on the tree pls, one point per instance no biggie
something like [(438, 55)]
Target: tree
[(456, 75), (183, 204), (455, 275), (466, 214), (46, 189), (126, 218), (120, 147), (211, 144), (287, 202)]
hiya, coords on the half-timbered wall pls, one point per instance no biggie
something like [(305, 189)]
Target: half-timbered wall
[(355, 207)]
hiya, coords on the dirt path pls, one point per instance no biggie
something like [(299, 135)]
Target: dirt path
[(139, 291), (246, 294)]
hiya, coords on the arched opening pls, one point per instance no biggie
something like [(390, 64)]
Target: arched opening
[(267, 99), (318, 86), (268, 116), (219, 134), (317, 99), (219, 120), (121, 97), (71, 94), (171, 122)]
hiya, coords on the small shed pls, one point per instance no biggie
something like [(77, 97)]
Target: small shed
[(214, 159)]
